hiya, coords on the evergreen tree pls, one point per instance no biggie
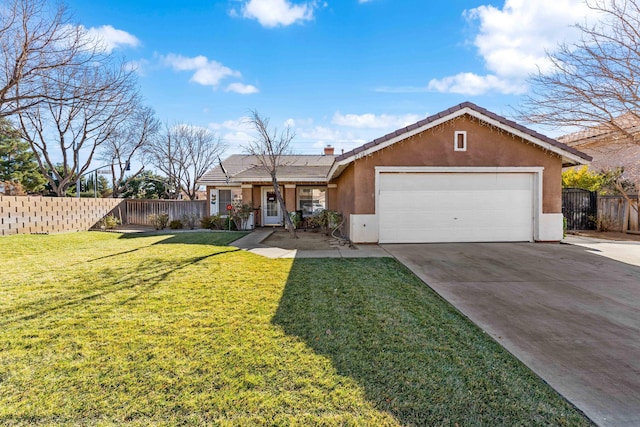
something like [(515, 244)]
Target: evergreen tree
[(17, 160)]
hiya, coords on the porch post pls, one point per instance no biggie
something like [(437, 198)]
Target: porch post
[(332, 197), (290, 197)]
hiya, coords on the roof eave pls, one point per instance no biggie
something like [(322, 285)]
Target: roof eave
[(363, 151)]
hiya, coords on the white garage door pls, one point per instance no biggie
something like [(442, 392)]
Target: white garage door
[(455, 207)]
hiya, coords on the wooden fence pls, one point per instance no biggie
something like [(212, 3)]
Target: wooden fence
[(619, 213), (137, 211)]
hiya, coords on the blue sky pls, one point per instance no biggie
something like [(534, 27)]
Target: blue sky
[(339, 72)]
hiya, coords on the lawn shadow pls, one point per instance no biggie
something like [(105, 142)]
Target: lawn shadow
[(414, 355), (132, 282), (190, 237)]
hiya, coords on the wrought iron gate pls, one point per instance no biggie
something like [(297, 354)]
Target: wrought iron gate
[(580, 208)]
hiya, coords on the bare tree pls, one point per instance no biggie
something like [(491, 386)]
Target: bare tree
[(83, 107), (269, 147), (184, 153), (596, 80), (594, 83), (37, 39), (126, 143)]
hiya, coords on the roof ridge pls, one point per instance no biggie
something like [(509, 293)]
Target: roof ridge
[(452, 110)]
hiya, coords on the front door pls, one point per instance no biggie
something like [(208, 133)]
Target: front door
[(270, 207)]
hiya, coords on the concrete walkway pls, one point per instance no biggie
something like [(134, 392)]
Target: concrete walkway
[(571, 314), (253, 243), (623, 251)]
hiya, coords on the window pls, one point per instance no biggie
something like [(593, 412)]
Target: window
[(311, 200), (272, 203), (460, 141), (227, 197)]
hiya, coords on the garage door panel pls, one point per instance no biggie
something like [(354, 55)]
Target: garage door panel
[(450, 207), (454, 181)]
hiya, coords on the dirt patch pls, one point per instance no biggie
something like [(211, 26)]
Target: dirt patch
[(307, 240)]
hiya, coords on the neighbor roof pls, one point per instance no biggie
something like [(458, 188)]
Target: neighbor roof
[(246, 168), (629, 122)]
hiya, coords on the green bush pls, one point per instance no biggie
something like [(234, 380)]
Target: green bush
[(229, 223), (109, 222), (327, 220), (159, 221), (175, 224), (205, 222), (296, 219), (215, 222)]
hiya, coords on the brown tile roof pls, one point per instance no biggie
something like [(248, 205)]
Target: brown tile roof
[(246, 168), (285, 173), (608, 150), (629, 122), (452, 110)]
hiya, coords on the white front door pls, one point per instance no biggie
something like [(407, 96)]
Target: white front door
[(270, 207)]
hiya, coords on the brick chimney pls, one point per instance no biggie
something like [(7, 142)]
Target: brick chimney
[(328, 150)]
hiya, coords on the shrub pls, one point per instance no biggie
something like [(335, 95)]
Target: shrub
[(190, 220), (228, 223), (159, 221), (205, 222), (327, 220), (108, 222), (240, 214), (215, 222), (296, 219), (175, 224), (605, 223)]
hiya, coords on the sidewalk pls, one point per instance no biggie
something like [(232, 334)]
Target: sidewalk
[(253, 243)]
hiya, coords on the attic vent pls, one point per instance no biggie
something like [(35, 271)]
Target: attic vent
[(460, 140)]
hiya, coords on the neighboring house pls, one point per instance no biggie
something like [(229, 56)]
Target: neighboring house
[(608, 149), (462, 175)]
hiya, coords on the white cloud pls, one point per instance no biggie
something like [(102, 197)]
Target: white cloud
[(242, 88), (513, 42), (206, 72), (274, 13), (317, 137), (372, 121), (473, 84), (239, 125), (111, 38)]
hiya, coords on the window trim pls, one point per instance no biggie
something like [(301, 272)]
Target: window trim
[(456, 140), (298, 190), (220, 208)]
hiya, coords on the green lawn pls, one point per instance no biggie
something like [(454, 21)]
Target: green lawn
[(179, 329)]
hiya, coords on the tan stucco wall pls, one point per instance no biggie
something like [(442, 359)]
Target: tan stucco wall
[(257, 197), (290, 198), (345, 203), (435, 147), (332, 198)]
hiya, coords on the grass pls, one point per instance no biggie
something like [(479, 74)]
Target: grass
[(108, 329)]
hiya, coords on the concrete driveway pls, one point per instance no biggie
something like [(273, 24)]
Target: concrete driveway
[(571, 313)]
